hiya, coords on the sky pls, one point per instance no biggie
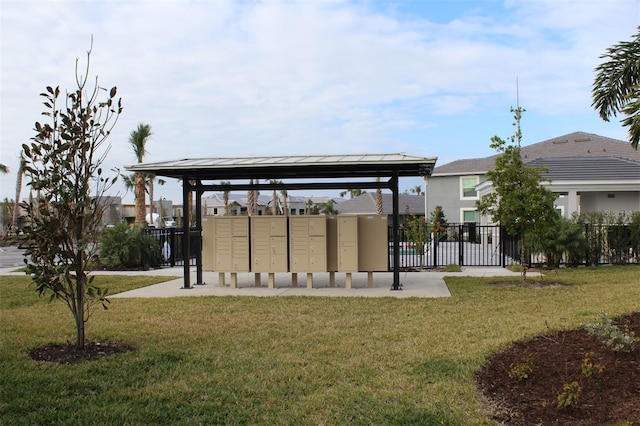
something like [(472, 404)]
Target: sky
[(433, 78)]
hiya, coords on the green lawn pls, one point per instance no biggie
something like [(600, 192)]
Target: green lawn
[(287, 360)]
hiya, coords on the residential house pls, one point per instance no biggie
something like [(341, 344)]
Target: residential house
[(588, 172)]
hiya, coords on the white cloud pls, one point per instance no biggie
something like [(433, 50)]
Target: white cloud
[(240, 78)]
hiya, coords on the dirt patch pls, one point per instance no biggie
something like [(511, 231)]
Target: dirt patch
[(525, 383), (69, 354), (530, 284)]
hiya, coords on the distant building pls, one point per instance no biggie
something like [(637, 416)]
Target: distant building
[(588, 173), (213, 204), (409, 204)]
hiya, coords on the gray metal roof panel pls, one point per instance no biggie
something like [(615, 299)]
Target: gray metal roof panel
[(283, 167)]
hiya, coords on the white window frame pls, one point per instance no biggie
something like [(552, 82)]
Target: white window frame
[(463, 210), (462, 196)]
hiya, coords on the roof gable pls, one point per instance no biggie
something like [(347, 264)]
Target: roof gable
[(577, 144)]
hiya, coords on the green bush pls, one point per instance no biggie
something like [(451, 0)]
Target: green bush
[(125, 247), (611, 335), (562, 238)]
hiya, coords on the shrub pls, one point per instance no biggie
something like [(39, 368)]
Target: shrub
[(522, 369), (570, 395), (562, 238), (125, 247), (611, 335)]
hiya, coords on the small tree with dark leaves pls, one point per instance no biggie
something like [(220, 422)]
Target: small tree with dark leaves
[(519, 201), (63, 163)]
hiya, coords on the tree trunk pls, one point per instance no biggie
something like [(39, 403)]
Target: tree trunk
[(189, 208), (379, 202), (285, 204), (140, 199), (16, 205), (274, 208), (79, 314), (151, 201), (523, 260)]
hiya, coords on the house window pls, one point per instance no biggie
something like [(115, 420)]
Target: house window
[(468, 187), (468, 215)]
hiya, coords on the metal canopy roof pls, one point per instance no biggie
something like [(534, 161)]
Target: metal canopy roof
[(325, 167), (286, 167)]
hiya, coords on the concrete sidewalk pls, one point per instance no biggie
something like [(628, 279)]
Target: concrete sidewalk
[(414, 284)]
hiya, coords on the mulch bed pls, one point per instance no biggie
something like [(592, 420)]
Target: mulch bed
[(69, 354), (607, 394)]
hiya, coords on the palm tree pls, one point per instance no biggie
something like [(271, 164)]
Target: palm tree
[(4, 169), (129, 181), (149, 182), (274, 197), (616, 88), (416, 190), (225, 197), (308, 206), (252, 199), (16, 205), (285, 204), (138, 140), (378, 199)]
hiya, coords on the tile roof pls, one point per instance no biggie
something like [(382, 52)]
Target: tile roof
[(577, 144), (589, 168)]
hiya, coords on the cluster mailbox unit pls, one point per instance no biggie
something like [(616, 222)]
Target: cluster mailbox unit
[(296, 244), (226, 246), (268, 246)]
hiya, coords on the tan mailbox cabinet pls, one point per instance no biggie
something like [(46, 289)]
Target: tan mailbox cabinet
[(373, 245), (208, 240), (347, 240), (308, 246), (231, 246), (268, 246)]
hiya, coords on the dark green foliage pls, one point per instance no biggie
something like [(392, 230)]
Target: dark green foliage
[(634, 231), (328, 208), (612, 238), (561, 238), (416, 232), (519, 201), (616, 86), (63, 163), (438, 223), (129, 247)]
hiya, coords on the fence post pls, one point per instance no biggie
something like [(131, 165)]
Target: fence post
[(461, 244), (172, 245), (434, 239), (503, 260)]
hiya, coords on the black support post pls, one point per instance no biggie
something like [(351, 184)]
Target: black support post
[(186, 241), (396, 232), (199, 279)]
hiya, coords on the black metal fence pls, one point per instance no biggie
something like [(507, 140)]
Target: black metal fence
[(606, 244), (471, 244), (170, 240), (464, 244)]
